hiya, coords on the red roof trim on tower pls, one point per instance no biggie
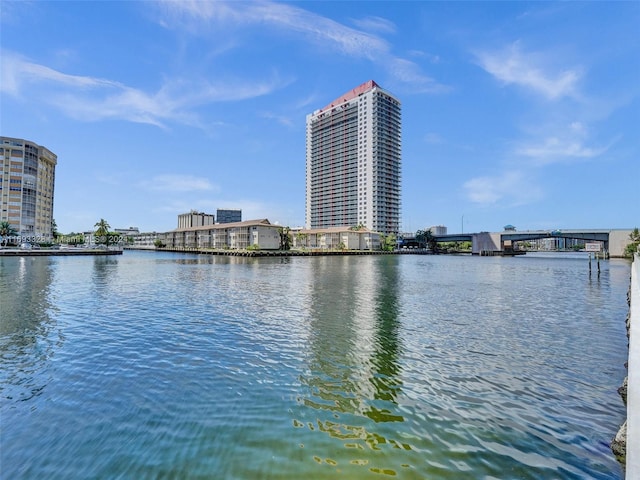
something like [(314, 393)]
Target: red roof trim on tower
[(365, 87)]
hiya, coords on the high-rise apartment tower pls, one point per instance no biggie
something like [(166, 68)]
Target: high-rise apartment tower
[(225, 215), (26, 188), (354, 161)]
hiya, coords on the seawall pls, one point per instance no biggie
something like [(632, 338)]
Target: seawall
[(279, 253), (626, 444), (633, 383)]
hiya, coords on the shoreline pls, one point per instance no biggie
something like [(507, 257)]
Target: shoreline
[(57, 253), (280, 253)]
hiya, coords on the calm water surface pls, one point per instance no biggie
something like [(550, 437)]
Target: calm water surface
[(154, 365)]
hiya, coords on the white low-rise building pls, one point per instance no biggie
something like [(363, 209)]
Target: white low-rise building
[(262, 235), (336, 238), (259, 234)]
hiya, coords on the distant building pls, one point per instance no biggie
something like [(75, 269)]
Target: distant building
[(438, 230), (228, 216), (27, 183), (195, 219), (129, 232), (353, 161)]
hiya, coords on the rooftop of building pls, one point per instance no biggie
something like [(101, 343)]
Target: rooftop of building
[(338, 229), (22, 143), (246, 223), (359, 90)]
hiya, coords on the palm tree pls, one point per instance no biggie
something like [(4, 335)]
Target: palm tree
[(54, 229), (426, 237), (6, 231), (432, 243), (285, 238), (301, 237), (102, 230)]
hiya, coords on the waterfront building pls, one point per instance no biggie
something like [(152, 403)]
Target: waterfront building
[(238, 235), (353, 161), (26, 188), (127, 232), (145, 239), (195, 219), (263, 235), (336, 238), (228, 216)]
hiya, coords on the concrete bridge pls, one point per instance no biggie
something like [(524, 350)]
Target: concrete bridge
[(487, 243)]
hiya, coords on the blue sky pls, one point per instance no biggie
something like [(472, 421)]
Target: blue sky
[(523, 113)]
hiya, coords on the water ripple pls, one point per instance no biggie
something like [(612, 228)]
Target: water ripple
[(157, 365)]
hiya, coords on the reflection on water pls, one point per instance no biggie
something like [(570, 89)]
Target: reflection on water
[(28, 336), (104, 271), (352, 371), (158, 365)]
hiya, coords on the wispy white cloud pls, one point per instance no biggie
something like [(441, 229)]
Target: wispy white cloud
[(177, 183), (530, 70), (308, 100), (316, 28), (17, 13), (91, 99), (568, 143), (281, 119), (410, 74), (431, 57), (199, 17), (514, 187), (554, 149), (18, 72), (551, 139), (510, 188), (375, 24)]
